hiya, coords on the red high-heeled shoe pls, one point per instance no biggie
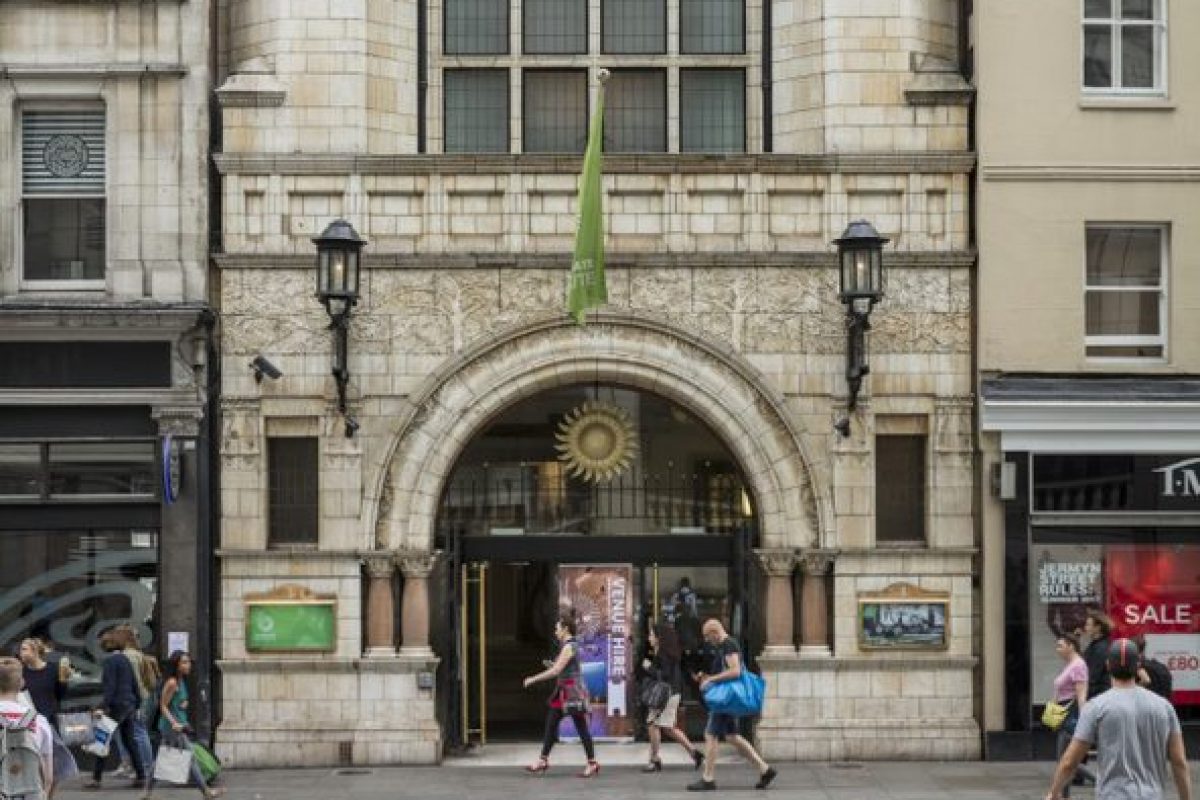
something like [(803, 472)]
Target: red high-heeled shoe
[(541, 766), (590, 770)]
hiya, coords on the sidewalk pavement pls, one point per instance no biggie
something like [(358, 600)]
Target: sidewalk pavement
[(470, 779)]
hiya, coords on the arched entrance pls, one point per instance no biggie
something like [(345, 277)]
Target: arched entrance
[(740, 409), (610, 500)]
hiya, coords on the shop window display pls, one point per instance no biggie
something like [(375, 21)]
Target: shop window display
[(1146, 588), (72, 585)]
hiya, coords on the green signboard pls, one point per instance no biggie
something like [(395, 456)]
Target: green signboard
[(291, 626)]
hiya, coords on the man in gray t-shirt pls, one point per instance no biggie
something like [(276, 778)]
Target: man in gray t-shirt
[(1135, 733)]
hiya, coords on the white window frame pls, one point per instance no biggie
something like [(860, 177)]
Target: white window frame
[(1132, 340), (36, 285), (1116, 25)]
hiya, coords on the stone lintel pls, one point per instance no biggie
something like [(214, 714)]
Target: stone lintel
[(402, 664), (944, 163), (796, 259), (882, 662)]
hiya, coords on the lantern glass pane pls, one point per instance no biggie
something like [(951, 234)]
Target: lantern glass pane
[(337, 270), (322, 272), (847, 272), (354, 263), (877, 271)]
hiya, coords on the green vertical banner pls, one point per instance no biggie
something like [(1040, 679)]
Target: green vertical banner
[(586, 287)]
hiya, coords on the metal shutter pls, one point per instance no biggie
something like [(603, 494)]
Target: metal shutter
[(62, 152)]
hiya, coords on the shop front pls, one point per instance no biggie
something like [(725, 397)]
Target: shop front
[(104, 495), (1094, 520)]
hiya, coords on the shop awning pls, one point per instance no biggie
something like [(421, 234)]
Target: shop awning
[(1082, 414)]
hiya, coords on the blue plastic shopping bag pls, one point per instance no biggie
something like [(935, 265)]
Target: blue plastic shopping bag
[(740, 697)]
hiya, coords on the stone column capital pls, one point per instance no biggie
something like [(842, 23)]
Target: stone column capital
[(416, 563), (379, 565), (776, 563), (816, 562), (178, 420)]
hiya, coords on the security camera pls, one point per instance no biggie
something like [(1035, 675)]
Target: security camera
[(351, 427), (262, 367), (842, 426)]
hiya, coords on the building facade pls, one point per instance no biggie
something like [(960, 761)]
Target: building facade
[(388, 573), (105, 330), (1087, 322)]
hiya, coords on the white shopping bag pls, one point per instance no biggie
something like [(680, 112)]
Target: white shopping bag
[(173, 765), (102, 732)]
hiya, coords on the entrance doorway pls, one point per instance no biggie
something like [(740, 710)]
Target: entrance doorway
[(507, 610), (506, 632), (672, 516)]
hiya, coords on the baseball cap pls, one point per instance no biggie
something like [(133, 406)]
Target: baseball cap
[(1123, 654)]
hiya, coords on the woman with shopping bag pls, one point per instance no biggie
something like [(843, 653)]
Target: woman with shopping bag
[(175, 761)]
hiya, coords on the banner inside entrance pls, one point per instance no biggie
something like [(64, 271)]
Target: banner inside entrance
[(601, 598)]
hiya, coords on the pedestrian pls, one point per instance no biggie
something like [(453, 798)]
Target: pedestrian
[(1070, 689), (1153, 674), (148, 676), (726, 665), (41, 680), (27, 739), (46, 691), (1141, 735), (664, 665), (1097, 627), (570, 697), (174, 725), (53, 656), (121, 703)]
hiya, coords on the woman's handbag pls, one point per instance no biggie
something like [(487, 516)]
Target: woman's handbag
[(1055, 714), (740, 697), (173, 764), (574, 697), (655, 694), (76, 728)]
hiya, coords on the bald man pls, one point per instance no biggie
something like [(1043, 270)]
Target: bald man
[(726, 666)]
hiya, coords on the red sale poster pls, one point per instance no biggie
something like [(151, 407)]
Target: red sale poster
[(1155, 590)]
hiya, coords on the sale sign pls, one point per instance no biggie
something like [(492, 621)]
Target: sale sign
[(601, 598), (1155, 590)]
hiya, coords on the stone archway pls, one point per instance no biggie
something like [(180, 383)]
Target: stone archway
[(707, 378)]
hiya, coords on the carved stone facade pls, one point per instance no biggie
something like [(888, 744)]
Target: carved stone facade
[(722, 298)]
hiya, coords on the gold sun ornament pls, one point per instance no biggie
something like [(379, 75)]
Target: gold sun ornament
[(597, 441)]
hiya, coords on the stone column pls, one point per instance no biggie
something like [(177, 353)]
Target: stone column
[(778, 565), (814, 607), (381, 607), (414, 603)]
